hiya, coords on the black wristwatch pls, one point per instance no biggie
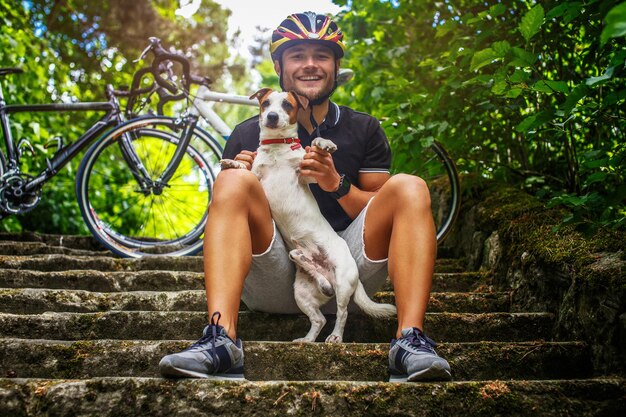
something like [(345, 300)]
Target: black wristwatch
[(344, 187)]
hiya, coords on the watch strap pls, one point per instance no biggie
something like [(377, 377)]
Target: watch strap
[(343, 189)]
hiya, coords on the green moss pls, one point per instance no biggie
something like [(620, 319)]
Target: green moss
[(74, 356), (10, 292), (527, 226)]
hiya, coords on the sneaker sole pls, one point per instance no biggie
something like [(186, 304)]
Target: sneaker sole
[(173, 372), (435, 373)]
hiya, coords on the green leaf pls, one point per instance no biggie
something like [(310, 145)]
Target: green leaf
[(501, 48), (531, 22), (569, 11), (500, 87), (514, 92), (522, 58), (497, 9), (519, 76), (531, 123), (482, 58), (547, 86), (578, 93), (608, 74), (615, 23)]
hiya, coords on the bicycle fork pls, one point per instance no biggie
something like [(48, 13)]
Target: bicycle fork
[(147, 184)]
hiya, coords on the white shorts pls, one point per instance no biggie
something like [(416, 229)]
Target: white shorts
[(269, 284)]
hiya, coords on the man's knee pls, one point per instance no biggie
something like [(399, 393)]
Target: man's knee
[(408, 190), (236, 185)]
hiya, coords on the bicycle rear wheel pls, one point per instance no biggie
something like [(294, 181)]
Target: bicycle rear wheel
[(134, 220), (434, 165)]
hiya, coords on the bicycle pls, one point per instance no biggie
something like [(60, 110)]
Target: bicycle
[(152, 163)]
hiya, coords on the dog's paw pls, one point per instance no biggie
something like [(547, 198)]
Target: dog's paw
[(297, 256), (334, 338), (231, 164), (325, 287), (325, 144), (303, 340)]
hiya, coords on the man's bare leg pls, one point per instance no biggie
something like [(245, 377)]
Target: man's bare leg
[(239, 224), (399, 225)]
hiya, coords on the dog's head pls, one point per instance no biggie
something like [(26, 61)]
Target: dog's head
[(279, 110)]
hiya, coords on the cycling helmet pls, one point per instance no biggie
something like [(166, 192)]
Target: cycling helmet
[(307, 27)]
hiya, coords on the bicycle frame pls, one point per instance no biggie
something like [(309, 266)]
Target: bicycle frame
[(203, 106), (64, 155), (112, 117)]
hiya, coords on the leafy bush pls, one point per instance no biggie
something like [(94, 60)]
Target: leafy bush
[(524, 92)]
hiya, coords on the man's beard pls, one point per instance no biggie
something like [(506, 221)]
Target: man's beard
[(321, 94)]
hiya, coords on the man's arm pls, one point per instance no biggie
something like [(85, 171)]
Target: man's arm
[(357, 198), (319, 165)]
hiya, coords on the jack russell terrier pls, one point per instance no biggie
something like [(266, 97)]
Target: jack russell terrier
[(324, 265)]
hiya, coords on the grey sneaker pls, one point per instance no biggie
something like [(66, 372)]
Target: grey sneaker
[(413, 358), (214, 356)]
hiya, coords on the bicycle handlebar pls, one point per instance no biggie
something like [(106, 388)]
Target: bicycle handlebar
[(162, 63)]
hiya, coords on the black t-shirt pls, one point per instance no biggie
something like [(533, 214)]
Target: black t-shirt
[(361, 147)]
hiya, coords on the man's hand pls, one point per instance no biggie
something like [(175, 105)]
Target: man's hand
[(246, 158), (318, 164)]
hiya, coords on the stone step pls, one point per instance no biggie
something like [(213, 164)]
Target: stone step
[(282, 361), (64, 241), (154, 263), (66, 262), (105, 281), (40, 248), (458, 302), (151, 325), (36, 301), (604, 397)]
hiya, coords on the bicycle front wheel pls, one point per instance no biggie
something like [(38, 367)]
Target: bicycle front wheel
[(434, 165), (135, 220)]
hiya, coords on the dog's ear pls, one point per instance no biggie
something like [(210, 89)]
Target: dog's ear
[(302, 101), (261, 93)]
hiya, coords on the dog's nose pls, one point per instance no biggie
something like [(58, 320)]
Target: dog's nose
[(272, 117)]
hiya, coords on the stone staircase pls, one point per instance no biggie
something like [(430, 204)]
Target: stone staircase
[(82, 332)]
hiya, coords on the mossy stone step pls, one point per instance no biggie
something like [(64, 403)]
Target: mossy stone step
[(458, 302), (63, 241), (66, 262), (104, 281), (36, 301), (153, 396), (153, 263), (281, 361), (153, 325), (40, 248)]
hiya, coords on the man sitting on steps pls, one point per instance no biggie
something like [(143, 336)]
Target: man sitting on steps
[(386, 220)]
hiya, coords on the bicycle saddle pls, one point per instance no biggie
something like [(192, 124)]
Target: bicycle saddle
[(6, 71)]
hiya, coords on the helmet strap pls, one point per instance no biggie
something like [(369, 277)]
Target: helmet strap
[(314, 122)]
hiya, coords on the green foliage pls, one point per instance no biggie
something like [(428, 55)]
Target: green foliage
[(524, 92), (69, 50)]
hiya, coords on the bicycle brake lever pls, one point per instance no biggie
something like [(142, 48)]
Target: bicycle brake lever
[(143, 54)]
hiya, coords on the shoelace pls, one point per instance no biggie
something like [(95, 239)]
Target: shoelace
[(421, 341), (212, 337)]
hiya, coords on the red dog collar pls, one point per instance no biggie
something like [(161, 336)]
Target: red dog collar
[(295, 141)]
